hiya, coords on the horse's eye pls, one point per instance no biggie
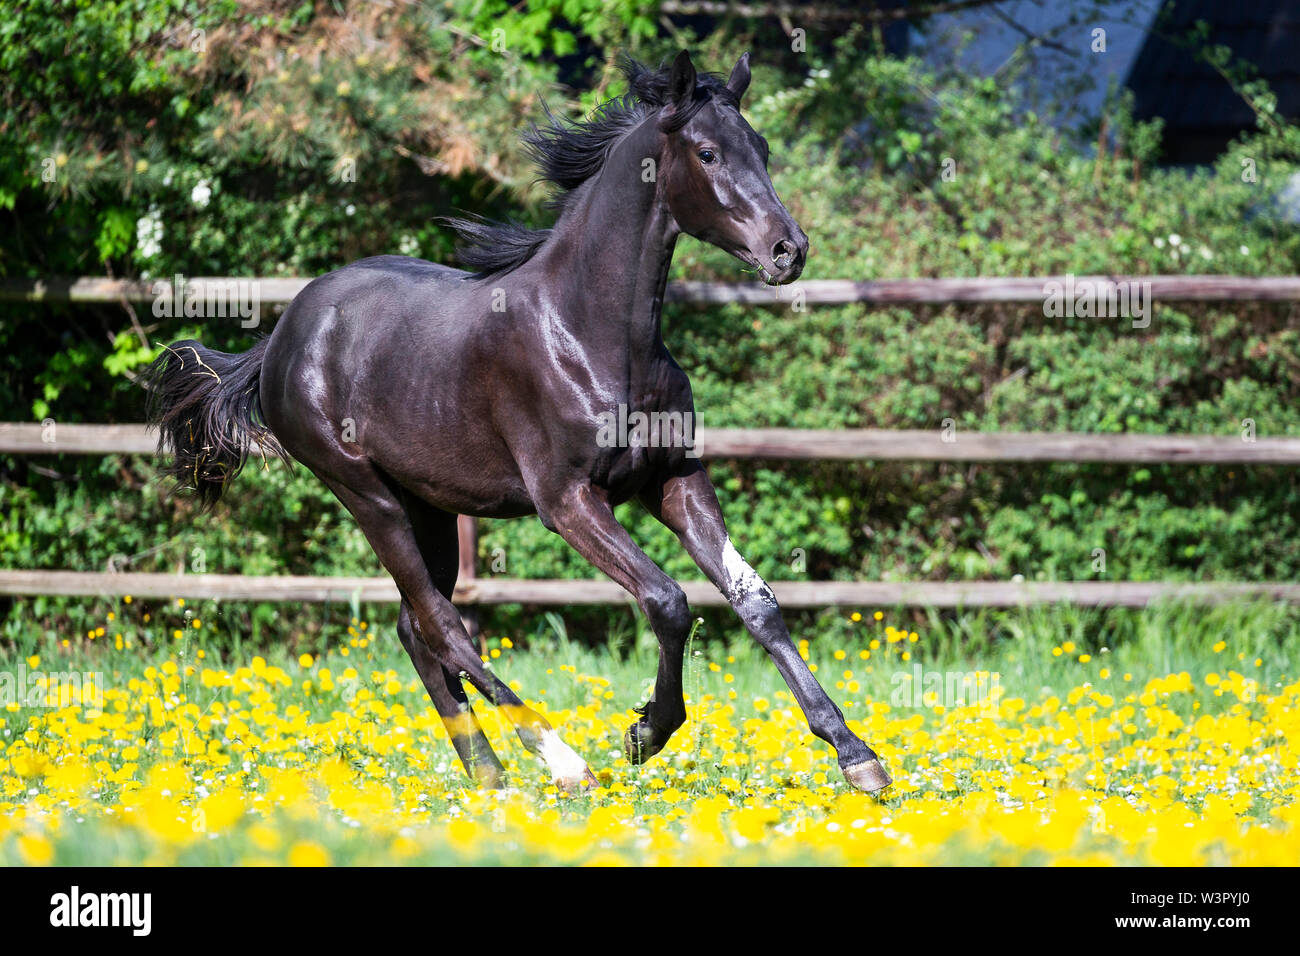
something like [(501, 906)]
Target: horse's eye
[(707, 156)]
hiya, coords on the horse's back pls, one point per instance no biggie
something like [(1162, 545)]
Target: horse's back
[(417, 269), (389, 352), (328, 331), (351, 304), (377, 277)]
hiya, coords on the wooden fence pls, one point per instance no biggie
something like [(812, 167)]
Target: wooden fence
[(1177, 288), (485, 591), (800, 444), (769, 443)]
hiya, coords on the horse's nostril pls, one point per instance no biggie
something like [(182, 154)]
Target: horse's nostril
[(783, 254)]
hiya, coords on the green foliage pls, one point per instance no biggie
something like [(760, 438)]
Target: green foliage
[(176, 144)]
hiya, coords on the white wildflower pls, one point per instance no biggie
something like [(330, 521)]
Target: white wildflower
[(149, 233)]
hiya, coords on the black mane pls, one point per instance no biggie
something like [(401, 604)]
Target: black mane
[(569, 154)]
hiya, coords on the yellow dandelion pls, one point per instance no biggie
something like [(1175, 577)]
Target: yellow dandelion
[(306, 853)]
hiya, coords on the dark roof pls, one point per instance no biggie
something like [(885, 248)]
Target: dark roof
[(1202, 113)]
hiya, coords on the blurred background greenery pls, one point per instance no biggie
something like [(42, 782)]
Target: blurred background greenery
[(269, 138)]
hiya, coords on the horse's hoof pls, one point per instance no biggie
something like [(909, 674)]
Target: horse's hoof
[(638, 743), (868, 776), (581, 784)]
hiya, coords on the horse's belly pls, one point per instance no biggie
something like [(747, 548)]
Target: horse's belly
[(460, 476)]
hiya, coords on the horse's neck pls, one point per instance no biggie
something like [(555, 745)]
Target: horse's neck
[(620, 237)]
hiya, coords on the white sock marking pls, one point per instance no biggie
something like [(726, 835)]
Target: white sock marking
[(559, 756), (742, 579)]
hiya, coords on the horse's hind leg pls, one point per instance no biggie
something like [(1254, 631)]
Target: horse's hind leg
[(535, 732), (392, 532), (439, 540), (453, 707), (436, 534)]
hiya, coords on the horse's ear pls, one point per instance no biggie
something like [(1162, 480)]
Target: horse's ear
[(681, 82), (738, 82)]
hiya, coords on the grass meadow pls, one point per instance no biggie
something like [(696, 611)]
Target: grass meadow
[(1052, 736)]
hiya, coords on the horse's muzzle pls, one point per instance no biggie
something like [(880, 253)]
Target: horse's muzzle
[(787, 257)]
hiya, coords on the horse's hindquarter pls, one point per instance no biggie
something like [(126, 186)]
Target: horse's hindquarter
[(379, 359)]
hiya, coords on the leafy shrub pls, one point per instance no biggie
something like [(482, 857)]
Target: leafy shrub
[(221, 164)]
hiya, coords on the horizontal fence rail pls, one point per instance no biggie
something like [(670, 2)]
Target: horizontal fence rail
[(767, 443), (487, 591), (795, 444), (1028, 289), (775, 443)]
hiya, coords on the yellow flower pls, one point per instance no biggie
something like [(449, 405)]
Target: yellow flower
[(306, 853), (264, 838), (35, 850), (221, 810)]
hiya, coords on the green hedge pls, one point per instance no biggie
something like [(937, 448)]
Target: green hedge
[(860, 143)]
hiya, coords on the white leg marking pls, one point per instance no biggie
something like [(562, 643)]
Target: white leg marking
[(741, 578), (564, 763)]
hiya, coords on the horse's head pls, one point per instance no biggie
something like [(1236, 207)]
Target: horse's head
[(714, 174)]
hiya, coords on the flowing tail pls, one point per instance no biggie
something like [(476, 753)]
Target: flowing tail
[(208, 412)]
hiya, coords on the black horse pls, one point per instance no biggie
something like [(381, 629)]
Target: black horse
[(418, 392)]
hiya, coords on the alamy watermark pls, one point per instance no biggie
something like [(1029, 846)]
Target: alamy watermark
[(33, 688), (636, 429), (209, 299), (921, 688), (1098, 298), (133, 911)]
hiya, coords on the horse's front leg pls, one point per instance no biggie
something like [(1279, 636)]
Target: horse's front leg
[(687, 504), (584, 518)]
